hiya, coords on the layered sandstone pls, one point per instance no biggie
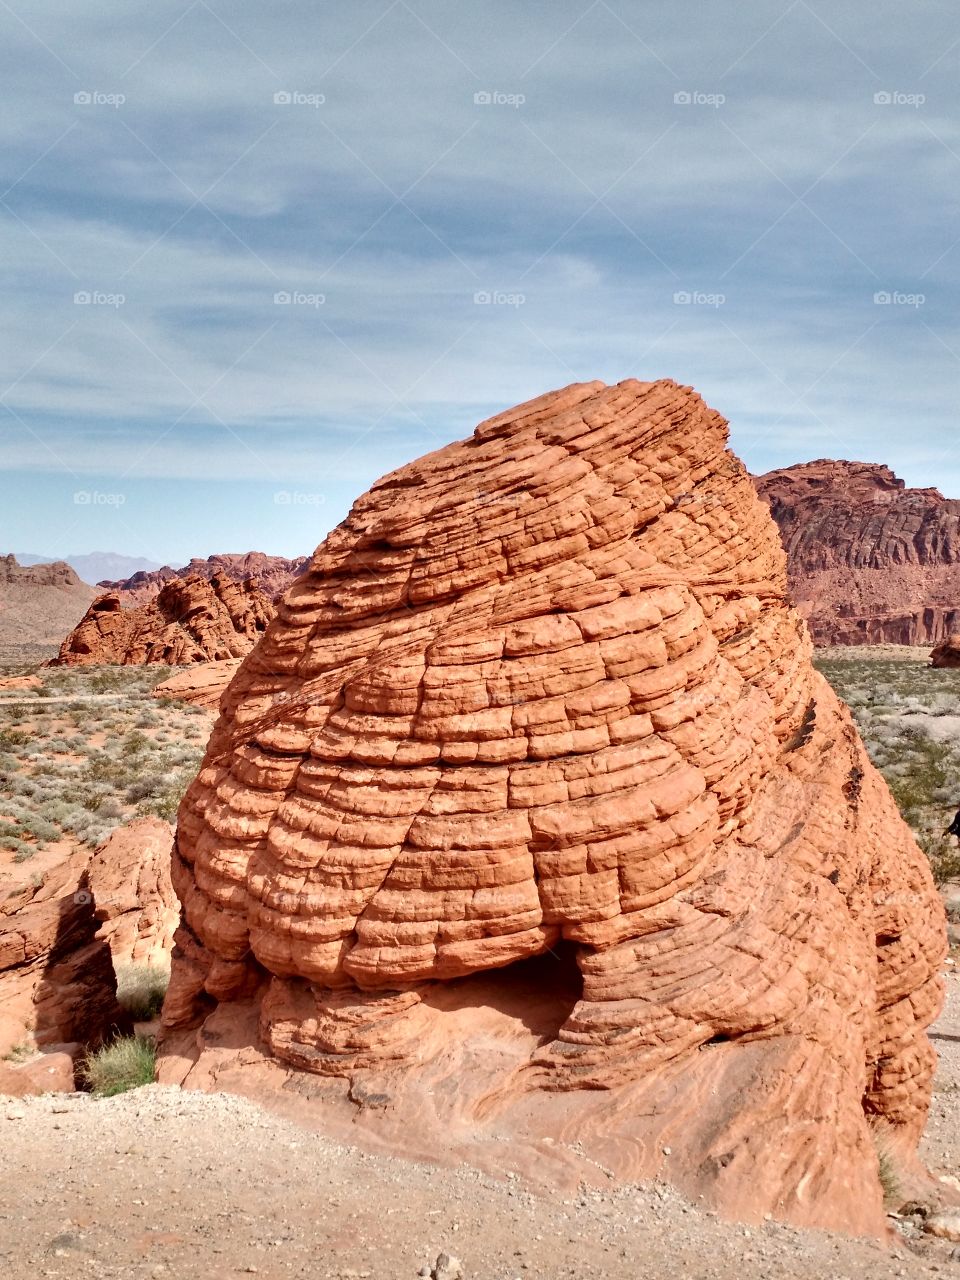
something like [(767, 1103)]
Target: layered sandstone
[(271, 574), (870, 561), (203, 685), (39, 602), (190, 620), (64, 933), (529, 816)]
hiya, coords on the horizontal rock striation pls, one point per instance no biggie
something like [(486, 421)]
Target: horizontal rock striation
[(542, 694), (39, 602), (870, 561), (190, 620)]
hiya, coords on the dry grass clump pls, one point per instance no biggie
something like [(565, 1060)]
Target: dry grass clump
[(141, 988), (126, 1063)]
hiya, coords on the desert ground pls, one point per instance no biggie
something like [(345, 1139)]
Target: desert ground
[(163, 1183)]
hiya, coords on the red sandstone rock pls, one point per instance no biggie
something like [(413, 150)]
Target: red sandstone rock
[(870, 561), (60, 939), (542, 694), (57, 981), (947, 654), (272, 574), (191, 620), (129, 877), (202, 684)]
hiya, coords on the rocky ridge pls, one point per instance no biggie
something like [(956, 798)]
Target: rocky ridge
[(870, 561), (531, 787), (189, 620), (271, 574), (39, 603)]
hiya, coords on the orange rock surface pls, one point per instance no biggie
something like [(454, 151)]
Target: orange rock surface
[(202, 684), (947, 653), (542, 694), (190, 620)]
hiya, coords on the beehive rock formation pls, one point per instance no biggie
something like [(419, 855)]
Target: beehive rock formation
[(190, 620), (870, 561), (542, 694)]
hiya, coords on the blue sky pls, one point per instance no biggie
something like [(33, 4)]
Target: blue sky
[(716, 193)]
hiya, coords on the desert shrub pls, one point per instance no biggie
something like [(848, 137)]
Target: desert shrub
[(128, 1062), (141, 988), (10, 739)]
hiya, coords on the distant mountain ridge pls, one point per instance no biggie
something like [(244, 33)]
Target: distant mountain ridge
[(94, 565)]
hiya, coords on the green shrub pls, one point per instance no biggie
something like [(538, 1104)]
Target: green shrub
[(128, 1062)]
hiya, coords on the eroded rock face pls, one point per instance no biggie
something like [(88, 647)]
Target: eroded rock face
[(39, 602), (272, 574), (947, 654), (203, 685), (62, 936), (870, 561), (190, 620), (542, 694)]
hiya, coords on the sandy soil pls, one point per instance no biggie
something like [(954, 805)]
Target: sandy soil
[(164, 1183)]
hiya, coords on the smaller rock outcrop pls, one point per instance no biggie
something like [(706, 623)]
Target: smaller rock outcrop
[(202, 685), (191, 620), (129, 877), (62, 938), (947, 654)]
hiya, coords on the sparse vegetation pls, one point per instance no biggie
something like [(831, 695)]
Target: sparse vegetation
[(141, 988), (909, 717), (78, 768), (128, 1062)]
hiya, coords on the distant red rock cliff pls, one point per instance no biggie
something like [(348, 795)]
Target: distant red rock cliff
[(870, 561), (272, 574)]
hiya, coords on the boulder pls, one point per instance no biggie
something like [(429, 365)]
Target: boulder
[(529, 818), (129, 877), (202, 684), (947, 654)]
